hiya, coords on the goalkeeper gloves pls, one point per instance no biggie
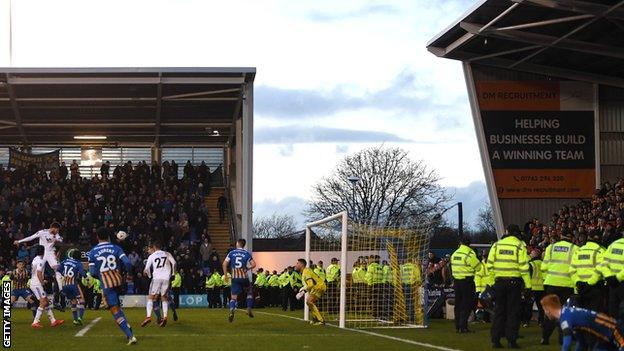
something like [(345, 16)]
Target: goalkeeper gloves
[(301, 292)]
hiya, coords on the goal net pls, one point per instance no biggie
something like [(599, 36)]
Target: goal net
[(380, 283)]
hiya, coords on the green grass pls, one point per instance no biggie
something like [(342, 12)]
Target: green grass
[(209, 330)]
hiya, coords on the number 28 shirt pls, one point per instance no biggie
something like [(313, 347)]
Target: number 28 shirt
[(105, 261)]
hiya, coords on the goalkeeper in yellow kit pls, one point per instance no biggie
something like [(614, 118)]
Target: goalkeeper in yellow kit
[(314, 286)]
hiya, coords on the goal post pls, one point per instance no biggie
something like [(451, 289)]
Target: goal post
[(381, 280), (342, 216)]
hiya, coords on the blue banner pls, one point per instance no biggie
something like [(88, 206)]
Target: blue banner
[(193, 301)]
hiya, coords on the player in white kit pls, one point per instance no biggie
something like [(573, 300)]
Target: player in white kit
[(160, 267), (47, 239), (36, 285)]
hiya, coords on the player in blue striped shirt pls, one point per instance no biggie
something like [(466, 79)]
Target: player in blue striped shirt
[(105, 261), (579, 324), (239, 263), (72, 272)]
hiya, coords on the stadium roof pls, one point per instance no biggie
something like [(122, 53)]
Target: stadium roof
[(579, 40), (130, 106)]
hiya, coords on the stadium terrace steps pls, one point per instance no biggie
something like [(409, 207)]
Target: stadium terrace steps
[(219, 232)]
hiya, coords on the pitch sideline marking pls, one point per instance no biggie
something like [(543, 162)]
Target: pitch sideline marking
[(211, 335), (84, 330), (407, 341)]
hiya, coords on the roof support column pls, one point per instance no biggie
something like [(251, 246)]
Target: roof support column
[(247, 167), (156, 153), (16, 112), (158, 111)]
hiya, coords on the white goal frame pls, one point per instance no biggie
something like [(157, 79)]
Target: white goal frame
[(343, 263)]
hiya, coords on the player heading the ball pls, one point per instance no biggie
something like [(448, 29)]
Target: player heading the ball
[(48, 238)]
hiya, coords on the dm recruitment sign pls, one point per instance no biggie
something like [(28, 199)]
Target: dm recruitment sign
[(540, 137)]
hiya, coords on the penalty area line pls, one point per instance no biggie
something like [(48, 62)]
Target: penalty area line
[(407, 341), (84, 330)]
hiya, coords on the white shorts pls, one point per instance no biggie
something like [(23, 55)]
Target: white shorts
[(50, 257), (159, 287), (38, 291)]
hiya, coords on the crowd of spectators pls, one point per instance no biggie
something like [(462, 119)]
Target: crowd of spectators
[(603, 213), (147, 201)]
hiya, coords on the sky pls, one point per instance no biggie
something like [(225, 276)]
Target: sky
[(333, 77)]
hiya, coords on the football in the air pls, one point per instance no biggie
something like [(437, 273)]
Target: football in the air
[(121, 235)]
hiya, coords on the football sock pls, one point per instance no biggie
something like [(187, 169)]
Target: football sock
[(38, 314), (250, 301), (74, 311), (148, 307), (232, 305), (59, 280), (165, 308), (81, 310), (120, 318), (315, 312), (50, 314)]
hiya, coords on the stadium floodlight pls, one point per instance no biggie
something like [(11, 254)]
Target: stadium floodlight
[(90, 137), (381, 282)]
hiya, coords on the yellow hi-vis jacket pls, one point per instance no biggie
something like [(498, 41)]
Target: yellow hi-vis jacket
[(177, 281), (410, 274), (332, 273), (587, 264), (557, 261), (508, 258), (320, 272), (613, 264), (481, 278), (537, 279), (274, 281), (229, 280), (464, 262), (358, 276)]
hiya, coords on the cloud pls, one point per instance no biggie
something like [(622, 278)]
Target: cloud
[(407, 96), (286, 150), (473, 197), (300, 134), (342, 149), (292, 205), (365, 11)]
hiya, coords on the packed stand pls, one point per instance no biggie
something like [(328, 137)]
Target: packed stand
[(147, 201)]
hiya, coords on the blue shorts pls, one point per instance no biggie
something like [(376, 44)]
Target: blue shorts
[(23, 293), (239, 285), (111, 296), (72, 291)]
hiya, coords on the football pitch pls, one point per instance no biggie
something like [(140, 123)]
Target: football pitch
[(271, 329)]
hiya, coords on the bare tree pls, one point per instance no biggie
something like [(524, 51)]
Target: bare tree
[(393, 190), (486, 220), (276, 226)]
